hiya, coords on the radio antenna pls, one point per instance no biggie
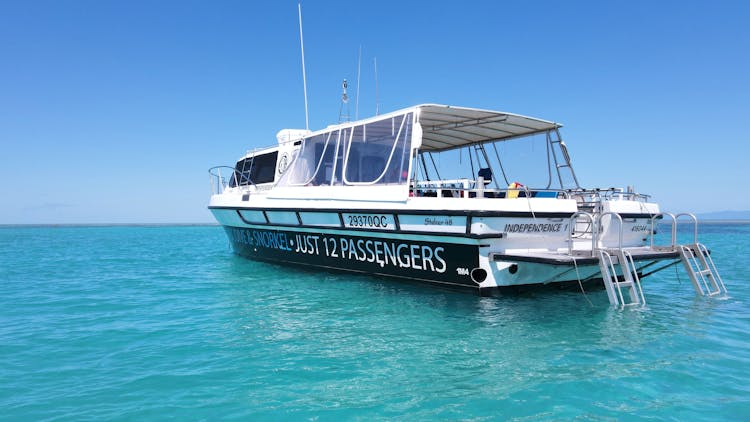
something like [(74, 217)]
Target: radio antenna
[(356, 101), (344, 114), (304, 76), (377, 103)]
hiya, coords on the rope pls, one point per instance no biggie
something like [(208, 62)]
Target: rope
[(528, 201), (580, 283)]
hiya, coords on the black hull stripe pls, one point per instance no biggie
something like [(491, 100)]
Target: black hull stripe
[(351, 270), (366, 230), (640, 215), (425, 260), (468, 213), (578, 260), (547, 261)]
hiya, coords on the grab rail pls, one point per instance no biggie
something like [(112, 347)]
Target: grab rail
[(674, 227), (217, 180), (607, 194), (573, 222), (695, 224), (599, 222), (464, 186)]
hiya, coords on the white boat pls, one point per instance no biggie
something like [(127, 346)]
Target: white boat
[(367, 197)]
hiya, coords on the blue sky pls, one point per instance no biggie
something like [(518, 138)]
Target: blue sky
[(111, 112)]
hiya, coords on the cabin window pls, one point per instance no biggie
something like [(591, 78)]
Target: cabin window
[(255, 170), (373, 153), (315, 161), (379, 152)]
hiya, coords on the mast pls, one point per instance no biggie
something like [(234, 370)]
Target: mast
[(304, 76), (377, 104), (356, 101)]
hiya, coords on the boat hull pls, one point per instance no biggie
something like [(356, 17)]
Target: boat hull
[(478, 250)]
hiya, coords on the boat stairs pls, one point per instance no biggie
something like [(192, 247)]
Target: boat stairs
[(621, 268)]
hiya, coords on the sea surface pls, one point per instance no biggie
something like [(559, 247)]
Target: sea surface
[(149, 323)]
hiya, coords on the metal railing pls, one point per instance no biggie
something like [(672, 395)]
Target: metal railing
[(596, 231), (572, 225), (673, 227), (463, 188), (219, 181), (598, 195), (599, 224), (695, 224)]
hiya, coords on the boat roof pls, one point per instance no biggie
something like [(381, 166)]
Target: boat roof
[(447, 127)]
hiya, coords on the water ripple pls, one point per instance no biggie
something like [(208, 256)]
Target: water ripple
[(145, 323)]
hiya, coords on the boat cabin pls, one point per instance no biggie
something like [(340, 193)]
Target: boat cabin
[(396, 155)]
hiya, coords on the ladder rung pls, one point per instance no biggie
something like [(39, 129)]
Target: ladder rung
[(702, 272)]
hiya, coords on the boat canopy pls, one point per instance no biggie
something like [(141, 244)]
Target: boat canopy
[(447, 127), (379, 150)]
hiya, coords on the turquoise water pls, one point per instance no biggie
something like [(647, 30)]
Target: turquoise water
[(154, 322)]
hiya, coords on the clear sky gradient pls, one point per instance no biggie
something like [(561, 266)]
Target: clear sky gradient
[(112, 112)]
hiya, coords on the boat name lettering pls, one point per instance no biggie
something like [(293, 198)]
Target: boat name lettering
[(533, 228), (367, 221), (438, 221), (639, 228), (266, 239), (381, 252)]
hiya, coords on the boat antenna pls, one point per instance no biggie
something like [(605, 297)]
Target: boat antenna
[(344, 114), (377, 104), (304, 76), (356, 101)]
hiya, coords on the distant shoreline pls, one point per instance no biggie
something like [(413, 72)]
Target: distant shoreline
[(719, 221)]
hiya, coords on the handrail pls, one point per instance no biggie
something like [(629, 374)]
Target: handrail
[(609, 193), (695, 224), (529, 195), (469, 185), (599, 222), (217, 181), (572, 224), (674, 227)]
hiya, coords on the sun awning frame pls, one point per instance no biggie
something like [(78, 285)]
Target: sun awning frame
[(448, 127)]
